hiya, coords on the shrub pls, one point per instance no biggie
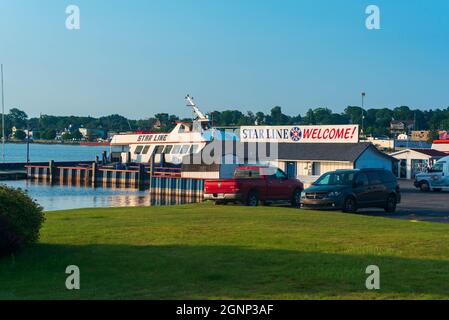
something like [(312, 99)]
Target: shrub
[(20, 220)]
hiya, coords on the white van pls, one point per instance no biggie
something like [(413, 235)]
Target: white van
[(436, 178)]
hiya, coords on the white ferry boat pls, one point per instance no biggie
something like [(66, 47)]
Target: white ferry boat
[(185, 139)]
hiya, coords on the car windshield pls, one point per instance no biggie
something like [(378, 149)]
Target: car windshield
[(336, 178)]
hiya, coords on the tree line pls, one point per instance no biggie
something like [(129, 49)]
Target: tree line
[(376, 122)]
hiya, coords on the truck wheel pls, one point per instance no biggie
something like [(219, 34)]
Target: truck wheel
[(390, 207), (296, 199), (350, 205), (253, 199), (424, 186)]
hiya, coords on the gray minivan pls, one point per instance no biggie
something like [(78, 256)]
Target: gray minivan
[(350, 190)]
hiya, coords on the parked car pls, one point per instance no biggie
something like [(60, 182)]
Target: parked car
[(350, 190), (253, 184), (436, 178)]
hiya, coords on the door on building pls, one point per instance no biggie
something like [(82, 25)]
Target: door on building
[(316, 169), (291, 169), (403, 169)]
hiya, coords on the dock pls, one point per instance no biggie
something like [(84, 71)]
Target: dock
[(157, 180), (13, 175)]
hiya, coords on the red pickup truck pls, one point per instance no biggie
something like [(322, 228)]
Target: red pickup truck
[(252, 184)]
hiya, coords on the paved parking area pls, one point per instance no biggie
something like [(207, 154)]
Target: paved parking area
[(417, 205)]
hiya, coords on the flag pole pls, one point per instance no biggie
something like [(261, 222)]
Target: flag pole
[(3, 116)]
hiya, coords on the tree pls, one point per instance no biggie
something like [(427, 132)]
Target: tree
[(66, 136), (20, 135), (49, 134), (76, 135), (18, 118)]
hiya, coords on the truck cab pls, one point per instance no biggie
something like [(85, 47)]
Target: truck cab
[(436, 178)]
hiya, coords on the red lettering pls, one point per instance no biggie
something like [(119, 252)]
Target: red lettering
[(315, 132), (326, 134), (339, 133), (347, 133), (307, 133)]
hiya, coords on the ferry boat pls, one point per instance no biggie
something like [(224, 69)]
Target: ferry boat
[(186, 138)]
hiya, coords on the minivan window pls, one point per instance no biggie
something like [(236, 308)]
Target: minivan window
[(374, 177), (336, 178), (362, 179), (438, 167), (386, 176)]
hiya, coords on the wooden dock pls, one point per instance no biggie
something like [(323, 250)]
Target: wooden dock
[(166, 181), (13, 175)]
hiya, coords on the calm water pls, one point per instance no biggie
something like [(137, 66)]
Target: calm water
[(71, 197), (45, 152)]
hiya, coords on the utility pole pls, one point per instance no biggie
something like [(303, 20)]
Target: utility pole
[(363, 112), (3, 117)]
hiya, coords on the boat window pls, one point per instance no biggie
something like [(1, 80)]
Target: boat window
[(185, 149), (167, 149), (159, 149), (194, 149), (176, 149), (138, 150), (145, 150)]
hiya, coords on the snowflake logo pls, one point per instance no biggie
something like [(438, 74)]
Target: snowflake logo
[(296, 134)]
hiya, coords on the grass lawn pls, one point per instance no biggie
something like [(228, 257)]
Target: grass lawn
[(229, 252)]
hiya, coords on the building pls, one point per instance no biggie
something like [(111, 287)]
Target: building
[(414, 161), (92, 134), (309, 161), (423, 135), (310, 151), (401, 126), (441, 145)]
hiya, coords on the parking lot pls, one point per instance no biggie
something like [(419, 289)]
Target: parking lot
[(417, 205)]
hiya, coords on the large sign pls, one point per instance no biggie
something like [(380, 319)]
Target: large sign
[(301, 134)]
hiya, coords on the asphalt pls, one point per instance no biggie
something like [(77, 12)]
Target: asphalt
[(417, 206)]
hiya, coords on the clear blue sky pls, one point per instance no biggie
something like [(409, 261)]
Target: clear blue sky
[(141, 57)]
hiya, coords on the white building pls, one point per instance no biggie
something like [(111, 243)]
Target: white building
[(414, 161)]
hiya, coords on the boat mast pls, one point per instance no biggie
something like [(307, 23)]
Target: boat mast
[(3, 117), (201, 116)]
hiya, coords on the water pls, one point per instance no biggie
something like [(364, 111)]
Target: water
[(58, 152), (71, 197)]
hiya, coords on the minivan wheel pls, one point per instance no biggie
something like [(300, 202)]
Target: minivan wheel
[(296, 199), (350, 205), (252, 200), (390, 207), (424, 186)]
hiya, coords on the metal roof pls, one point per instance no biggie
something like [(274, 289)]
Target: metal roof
[(327, 151)]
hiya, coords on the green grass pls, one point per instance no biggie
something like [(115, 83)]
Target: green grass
[(229, 252)]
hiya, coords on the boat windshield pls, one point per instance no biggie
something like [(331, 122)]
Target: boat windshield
[(344, 178)]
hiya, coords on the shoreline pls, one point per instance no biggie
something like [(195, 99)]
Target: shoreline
[(69, 143)]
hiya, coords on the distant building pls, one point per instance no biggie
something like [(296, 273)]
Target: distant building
[(401, 126), (423, 135), (414, 161), (92, 134)]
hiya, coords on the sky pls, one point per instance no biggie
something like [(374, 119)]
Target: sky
[(138, 58)]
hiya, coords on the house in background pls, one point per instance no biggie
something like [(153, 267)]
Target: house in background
[(401, 126), (414, 161)]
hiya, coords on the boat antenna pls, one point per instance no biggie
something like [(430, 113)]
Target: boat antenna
[(196, 110), (3, 116)]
